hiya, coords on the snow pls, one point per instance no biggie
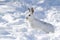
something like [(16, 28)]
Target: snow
[(13, 25)]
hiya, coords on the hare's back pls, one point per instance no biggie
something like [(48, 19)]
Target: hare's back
[(42, 25)]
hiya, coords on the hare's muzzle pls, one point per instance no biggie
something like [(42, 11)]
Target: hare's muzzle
[(26, 17)]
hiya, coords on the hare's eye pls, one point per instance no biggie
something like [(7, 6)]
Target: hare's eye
[(29, 15)]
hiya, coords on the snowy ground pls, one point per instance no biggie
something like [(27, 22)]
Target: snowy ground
[(13, 25)]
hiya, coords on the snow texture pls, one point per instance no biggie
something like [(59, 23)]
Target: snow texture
[(13, 25)]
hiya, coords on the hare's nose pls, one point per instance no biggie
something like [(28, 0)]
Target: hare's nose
[(26, 17)]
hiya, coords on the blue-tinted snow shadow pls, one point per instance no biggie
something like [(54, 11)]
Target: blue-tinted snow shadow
[(30, 37), (3, 32), (2, 20)]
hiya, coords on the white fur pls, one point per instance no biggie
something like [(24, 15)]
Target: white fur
[(40, 25)]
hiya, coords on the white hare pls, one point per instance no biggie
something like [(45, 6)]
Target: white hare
[(38, 24)]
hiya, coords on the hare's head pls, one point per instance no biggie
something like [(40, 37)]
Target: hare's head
[(31, 11)]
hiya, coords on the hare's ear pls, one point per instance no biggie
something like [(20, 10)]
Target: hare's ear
[(31, 10)]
